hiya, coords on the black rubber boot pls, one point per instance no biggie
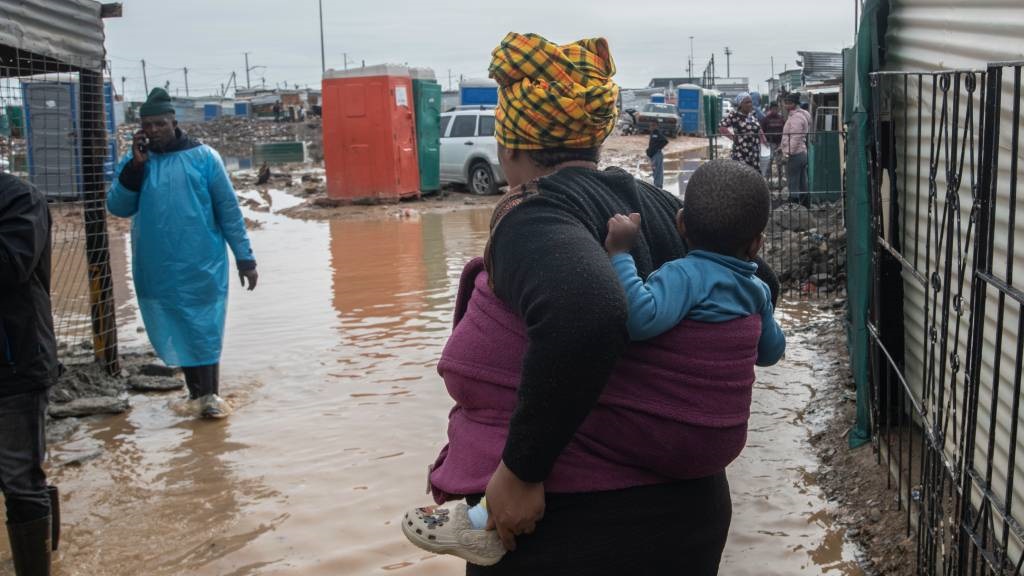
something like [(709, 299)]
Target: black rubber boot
[(191, 382), (54, 495), (202, 380), (30, 547)]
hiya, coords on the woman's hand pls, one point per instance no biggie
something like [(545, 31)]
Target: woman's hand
[(514, 507), (622, 233)]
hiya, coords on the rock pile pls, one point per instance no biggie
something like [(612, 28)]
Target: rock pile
[(235, 135), (807, 247), (85, 388)]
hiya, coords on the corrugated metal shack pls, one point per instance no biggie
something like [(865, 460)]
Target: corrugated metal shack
[(947, 332), (60, 45)]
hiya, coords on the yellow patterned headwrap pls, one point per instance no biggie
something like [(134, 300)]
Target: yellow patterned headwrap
[(553, 96)]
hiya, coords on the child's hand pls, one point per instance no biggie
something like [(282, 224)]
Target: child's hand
[(622, 233)]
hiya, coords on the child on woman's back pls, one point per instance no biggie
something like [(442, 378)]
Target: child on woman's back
[(724, 214)]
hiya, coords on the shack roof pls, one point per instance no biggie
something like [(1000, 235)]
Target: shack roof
[(666, 82), (821, 66), (64, 34)]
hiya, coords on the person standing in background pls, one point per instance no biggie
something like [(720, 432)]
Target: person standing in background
[(183, 212), (741, 126), (655, 151), (794, 148), (772, 126)]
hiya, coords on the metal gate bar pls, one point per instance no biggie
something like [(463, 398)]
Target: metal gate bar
[(928, 409)]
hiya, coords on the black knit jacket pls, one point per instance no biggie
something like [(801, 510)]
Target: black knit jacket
[(549, 265)]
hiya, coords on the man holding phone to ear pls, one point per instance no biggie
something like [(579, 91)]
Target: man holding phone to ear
[(184, 210)]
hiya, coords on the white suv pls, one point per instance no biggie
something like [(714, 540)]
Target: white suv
[(469, 152)]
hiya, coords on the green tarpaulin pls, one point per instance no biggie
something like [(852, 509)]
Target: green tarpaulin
[(859, 63)]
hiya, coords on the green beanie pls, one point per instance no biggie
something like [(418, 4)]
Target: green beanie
[(158, 103)]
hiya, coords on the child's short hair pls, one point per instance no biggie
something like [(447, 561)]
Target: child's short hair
[(726, 207)]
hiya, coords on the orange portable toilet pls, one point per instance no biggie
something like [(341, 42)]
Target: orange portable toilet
[(370, 134)]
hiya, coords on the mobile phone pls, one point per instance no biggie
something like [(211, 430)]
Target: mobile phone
[(144, 147)]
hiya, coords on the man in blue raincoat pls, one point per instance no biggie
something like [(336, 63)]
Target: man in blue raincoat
[(183, 211)]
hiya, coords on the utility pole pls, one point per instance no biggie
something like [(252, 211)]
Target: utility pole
[(449, 79), (773, 66), (109, 65), (728, 59), (856, 18), (186, 81), (247, 69), (690, 67), (323, 61), (344, 56), (224, 87), (145, 83), (124, 95)]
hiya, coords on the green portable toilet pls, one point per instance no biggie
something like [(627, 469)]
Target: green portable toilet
[(824, 170), (712, 116), (712, 111), (426, 94), (16, 119)]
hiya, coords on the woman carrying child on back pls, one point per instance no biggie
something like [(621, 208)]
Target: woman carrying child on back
[(621, 447)]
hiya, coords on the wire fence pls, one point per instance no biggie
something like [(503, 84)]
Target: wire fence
[(56, 131), (805, 239)]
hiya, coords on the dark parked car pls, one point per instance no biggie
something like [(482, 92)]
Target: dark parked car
[(660, 116)]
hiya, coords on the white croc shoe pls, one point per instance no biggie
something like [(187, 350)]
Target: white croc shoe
[(449, 531)]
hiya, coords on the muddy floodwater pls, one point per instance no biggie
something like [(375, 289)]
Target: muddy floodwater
[(330, 365)]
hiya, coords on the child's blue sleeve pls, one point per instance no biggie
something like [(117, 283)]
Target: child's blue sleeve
[(657, 306), (772, 344)]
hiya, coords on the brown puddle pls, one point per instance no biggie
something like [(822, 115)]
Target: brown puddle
[(338, 411)]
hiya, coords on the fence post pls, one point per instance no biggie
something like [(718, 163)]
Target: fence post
[(981, 263), (94, 151)]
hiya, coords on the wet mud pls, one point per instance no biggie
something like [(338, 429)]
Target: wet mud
[(331, 369)]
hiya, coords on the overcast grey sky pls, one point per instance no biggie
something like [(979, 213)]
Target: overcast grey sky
[(647, 38)]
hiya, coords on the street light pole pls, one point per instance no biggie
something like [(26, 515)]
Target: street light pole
[(323, 61), (691, 58)]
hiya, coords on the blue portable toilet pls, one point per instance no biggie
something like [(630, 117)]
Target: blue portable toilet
[(242, 109), (478, 93), (657, 98), (689, 104), (211, 111), (53, 136), (110, 124)]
